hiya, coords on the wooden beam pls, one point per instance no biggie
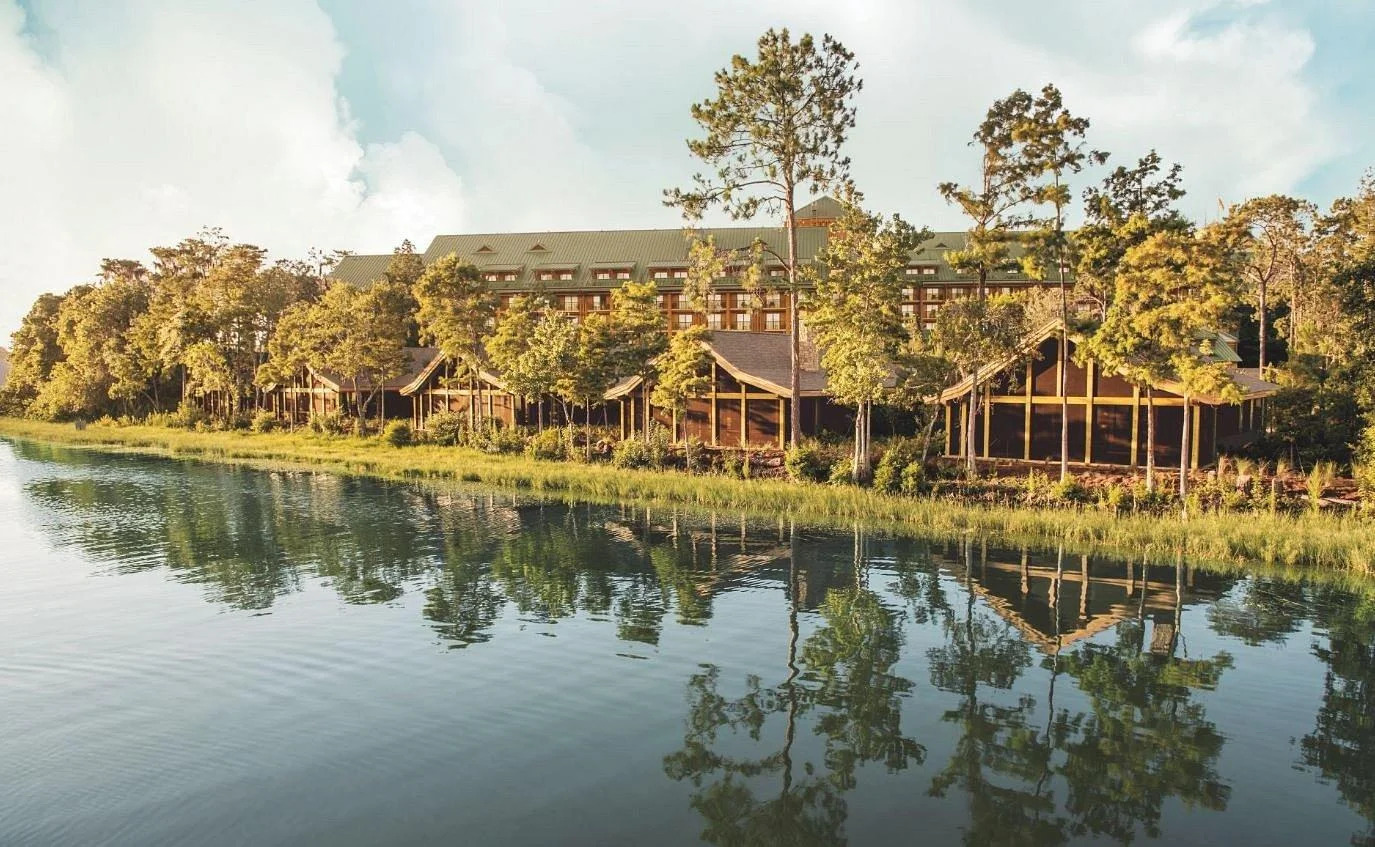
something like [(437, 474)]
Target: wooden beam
[(988, 419), (949, 432), (744, 421), (715, 410)]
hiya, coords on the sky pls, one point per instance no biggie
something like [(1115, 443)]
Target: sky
[(352, 124)]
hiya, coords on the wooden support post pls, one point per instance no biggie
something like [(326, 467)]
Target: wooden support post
[(715, 408), (1088, 413), (988, 417), (1193, 442), (782, 421), (949, 432), (744, 417), (965, 446), (1136, 423), (1026, 418)]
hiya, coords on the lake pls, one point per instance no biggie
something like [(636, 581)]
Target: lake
[(198, 654)]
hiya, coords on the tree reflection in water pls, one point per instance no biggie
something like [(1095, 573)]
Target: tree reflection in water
[(1094, 740)]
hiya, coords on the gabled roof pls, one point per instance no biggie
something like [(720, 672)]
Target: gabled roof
[(764, 360), (418, 359), (423, 376), (1246, 379)]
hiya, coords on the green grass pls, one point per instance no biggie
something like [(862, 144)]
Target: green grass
[(1329, 542)]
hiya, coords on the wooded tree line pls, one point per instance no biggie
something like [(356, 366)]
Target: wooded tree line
[(1135, 278)]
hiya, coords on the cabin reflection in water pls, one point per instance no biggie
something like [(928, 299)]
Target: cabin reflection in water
[(1055, 599)]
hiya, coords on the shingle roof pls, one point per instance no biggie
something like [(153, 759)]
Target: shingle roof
[(361, 269), (418, 359), (763, 359)]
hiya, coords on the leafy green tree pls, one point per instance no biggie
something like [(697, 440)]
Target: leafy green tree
[(456, 311), (970, 334), (856, 313), (775, 128), (34, 352), (640, 335), (684, 372), (1276, 237), (588, 368), (512, 351), (1126, 208), (361, 335), (1052, 142)]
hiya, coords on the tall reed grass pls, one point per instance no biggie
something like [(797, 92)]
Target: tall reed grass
[(1344, 542)]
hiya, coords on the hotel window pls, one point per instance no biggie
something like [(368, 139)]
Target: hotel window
[(930, 309), (714, 320), (929, 325), (570, 302), (913, 271), (773, 320), (545, 276), (492, 277), (622, 274), (598, 302), (508, 277), (928, 270), (909, 293), (933, 294), (773, 299), (1006, 289), (776, 271), (603, 274), (909, 310), (566, 275), (574, 318), (684, 320), (661, 274), (659, 298), (715, 301), (742, 320), (680, 273)]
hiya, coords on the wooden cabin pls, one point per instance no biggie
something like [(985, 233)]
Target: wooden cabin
[(1019, 417), (440, 388), (317, 391), (748, 403)]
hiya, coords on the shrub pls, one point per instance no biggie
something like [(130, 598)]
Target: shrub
[(399, 434), (263, 421), (447, 429), (842, 472), (550, 443), (330, 423), (1319, 478), (495, 438), (188, 414), (912, 479), (696, 458), (634, 453), (901, 452), (806, 462)]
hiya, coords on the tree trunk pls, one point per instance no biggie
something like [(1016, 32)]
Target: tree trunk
[(794, 327), (1260, 316), (971, 468), (1064, 364), (587, 427), (1150, 438), (644, 408)]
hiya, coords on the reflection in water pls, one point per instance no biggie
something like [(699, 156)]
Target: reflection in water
[(1027, 696)]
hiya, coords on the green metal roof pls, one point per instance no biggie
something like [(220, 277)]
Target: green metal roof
[(361, 270)]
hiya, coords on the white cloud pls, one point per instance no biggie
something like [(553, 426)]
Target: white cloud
[(136, 124)]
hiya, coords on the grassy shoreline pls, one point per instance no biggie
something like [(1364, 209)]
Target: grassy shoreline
[(1343, 543)]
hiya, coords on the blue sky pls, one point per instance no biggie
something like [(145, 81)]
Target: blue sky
[(339, 123)]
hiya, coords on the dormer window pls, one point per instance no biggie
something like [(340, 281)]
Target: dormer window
[(603, 274), (928, 270), (680, 273), (661, 274), (776, 272), (546, 276), (565, 275), (622, 274)]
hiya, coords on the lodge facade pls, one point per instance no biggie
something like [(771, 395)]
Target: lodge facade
[(748, 402)]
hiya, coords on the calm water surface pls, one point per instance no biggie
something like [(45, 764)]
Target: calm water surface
[(192, 654)]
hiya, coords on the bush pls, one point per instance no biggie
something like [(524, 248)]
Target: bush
[(696, 458), (188, 414), (807, 462), (399, 434), (494, 438), (633, 453), (551, 444), (912, 479), (901, 452), (263, 421), (447, 429), (842, 471), (330, 423)]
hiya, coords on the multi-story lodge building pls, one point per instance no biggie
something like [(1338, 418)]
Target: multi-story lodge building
[(747, 403)]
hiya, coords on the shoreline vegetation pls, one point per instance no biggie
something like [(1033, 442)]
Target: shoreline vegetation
[(1302, 543)]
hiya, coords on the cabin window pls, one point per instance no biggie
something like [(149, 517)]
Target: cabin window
[(715, 301), (622, 274), (742, 320), (909, 293), (933, 294), (661, 274), (684, 320), (909, 310), (913, 271), (773, 300), (715, 320), (566, 275), (928, 270), (773, 320), (570, 302), (930, 309), (545, 276), (776, 272), (603, 274), (598, 302), (492, 277)]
